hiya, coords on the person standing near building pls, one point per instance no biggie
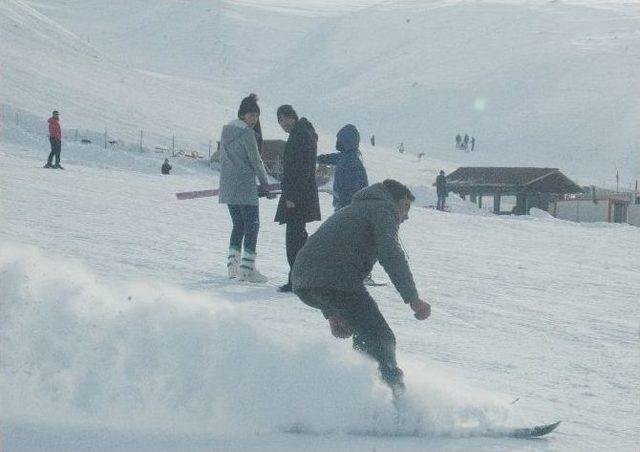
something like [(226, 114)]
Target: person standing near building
[(240, 164), (441, 190), (298, 203), (55, 138), (330, 269)]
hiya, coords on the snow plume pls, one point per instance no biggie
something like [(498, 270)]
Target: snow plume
[(76, 351)]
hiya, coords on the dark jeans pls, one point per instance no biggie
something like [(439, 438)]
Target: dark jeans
[(56, 147), (441, 200), (246, 223), (296, 237), (371, 333)]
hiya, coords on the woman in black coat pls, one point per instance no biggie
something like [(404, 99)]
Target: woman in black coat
[(298, 203)]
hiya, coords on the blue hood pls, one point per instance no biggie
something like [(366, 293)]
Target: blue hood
[(348, 138)]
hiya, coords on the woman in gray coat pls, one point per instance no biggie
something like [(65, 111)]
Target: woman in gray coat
[(240, 165)]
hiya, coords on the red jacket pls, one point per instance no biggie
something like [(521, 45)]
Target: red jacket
[(54, 129)]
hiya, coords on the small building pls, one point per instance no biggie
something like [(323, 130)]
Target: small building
[(272, 152), (598, 205), (532, 187)]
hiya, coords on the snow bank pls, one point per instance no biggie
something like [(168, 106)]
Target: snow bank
[(149, 357)]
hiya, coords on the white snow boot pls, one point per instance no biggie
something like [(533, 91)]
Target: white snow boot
[(248, 270), (233, 262)]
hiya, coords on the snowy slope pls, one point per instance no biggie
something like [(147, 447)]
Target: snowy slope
[(536, 82), (121, 331)]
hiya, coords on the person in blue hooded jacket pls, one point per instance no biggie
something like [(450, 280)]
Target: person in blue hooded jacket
[(350, 175)]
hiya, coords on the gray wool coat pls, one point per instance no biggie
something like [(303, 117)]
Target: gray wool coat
[(240, 164), (342, 252)]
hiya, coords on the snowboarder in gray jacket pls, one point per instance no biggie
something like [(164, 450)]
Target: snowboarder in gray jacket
[(240, 164), (329, 271)]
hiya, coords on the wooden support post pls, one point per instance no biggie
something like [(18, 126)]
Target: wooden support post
[(496, 204), (473, 198), (480, 201)]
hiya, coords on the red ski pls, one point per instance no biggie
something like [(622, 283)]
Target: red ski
[(214, 192)]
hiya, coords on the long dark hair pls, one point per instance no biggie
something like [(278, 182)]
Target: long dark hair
[(258, 131)]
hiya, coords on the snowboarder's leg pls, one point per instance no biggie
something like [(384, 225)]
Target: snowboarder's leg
[(373, 336)]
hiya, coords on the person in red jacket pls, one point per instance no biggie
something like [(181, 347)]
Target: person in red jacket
[(55, 138)]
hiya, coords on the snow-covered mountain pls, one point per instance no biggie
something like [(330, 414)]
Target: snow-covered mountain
[(535, 82)]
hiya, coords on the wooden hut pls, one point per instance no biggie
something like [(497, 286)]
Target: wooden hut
[(532, 187)]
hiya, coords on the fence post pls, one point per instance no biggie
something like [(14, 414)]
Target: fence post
[(140, 140)]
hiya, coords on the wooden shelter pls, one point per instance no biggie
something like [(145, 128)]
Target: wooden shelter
[(532, 187)]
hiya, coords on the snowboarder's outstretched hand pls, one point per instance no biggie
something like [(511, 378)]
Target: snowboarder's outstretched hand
[(339, 327), (421, 309)]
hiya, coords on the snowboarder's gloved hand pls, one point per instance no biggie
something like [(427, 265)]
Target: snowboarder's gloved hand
[(421, 309), (339, 327)]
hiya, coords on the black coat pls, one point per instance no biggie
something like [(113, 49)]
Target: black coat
[(441, 185), (299, 176)]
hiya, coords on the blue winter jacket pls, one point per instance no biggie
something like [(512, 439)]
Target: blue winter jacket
[(350, 175)]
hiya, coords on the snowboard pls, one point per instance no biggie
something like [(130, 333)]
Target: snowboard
[(522, 433)]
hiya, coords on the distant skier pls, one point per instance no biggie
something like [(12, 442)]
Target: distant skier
[(473, 143), (373, 140), (465, 142), (441, 190), (401, 148), (166, 168), (240, 163), (350, 175), (458, 141), (329, 272), (298, 203), (55, 139)]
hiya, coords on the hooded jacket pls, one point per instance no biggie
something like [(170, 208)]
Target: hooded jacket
[(299, 176), (350, 175), (240, 164), (342, 252), (54, 129)]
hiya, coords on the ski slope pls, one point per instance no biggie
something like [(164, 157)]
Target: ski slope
[(119, 329)]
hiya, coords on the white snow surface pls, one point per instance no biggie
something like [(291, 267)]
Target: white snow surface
[(120, 331)]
